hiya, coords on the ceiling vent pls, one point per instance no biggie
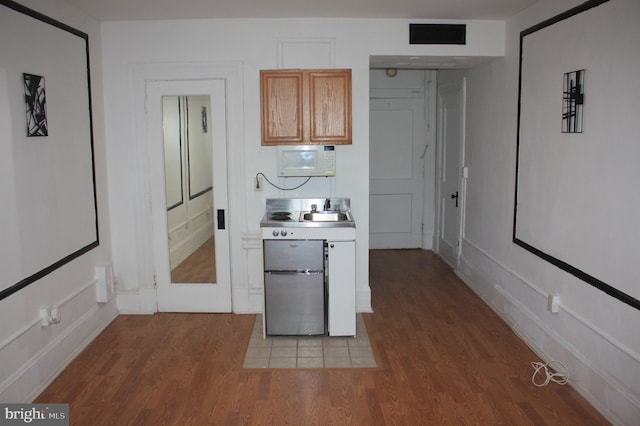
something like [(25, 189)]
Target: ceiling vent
[(437, 34)]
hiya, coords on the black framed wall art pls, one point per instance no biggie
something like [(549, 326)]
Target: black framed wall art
[(577, 177), (49, 215)]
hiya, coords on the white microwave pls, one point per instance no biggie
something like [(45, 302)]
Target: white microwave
[(306, 160)]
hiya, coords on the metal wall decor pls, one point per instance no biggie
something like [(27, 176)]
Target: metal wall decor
[(572, 102), (35, 98)]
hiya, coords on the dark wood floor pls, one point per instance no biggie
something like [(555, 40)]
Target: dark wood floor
[(444, 358)]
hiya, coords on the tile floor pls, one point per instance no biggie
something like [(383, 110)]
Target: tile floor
[(309, 352)]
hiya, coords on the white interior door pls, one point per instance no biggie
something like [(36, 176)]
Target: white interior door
[(450, 142), (200, 296), (396, 173)]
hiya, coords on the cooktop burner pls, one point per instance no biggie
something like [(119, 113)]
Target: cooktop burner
[(280, 216), (283, 218)]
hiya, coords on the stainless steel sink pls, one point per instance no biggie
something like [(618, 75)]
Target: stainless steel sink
[(307, 213), (325, 216)]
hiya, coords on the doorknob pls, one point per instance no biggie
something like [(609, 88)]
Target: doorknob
[(455, 197)]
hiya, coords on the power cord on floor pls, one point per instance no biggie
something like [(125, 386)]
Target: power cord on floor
[(557, 375)]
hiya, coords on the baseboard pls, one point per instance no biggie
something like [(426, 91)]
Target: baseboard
[(29, 380), (128, 303), (363, 300), (537, 328), (108, 312), (255, 303), (142, 302)]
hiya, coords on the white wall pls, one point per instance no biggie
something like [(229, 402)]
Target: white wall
[(595, 335), (31, 355), (254, 44)]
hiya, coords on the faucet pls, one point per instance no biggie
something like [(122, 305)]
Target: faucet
[(327, 205)]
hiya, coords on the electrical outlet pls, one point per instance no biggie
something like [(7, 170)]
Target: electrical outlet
[(45, 316), (55, 316), (49, 315), (258, 184), (553, 303)]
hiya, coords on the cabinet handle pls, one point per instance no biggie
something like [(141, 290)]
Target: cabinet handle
[(331, 245)]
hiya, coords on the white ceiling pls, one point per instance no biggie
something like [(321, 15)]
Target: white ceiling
[(124, 10), (117, 10)]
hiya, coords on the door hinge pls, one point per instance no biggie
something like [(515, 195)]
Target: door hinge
[(155, 281)]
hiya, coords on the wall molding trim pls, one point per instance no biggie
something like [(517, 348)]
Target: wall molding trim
[(321, 48), (37, 372), (251, 241), (363, 300), (253, 299), (499, 286), (138, 302)]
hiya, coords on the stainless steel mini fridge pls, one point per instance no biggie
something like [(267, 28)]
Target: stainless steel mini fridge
[(294, 287)]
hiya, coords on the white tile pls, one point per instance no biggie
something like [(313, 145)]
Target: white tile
[(336, 352), (309, 351), (284, 341), (335, 341), (256, 363), (258, 352), (260, 343), (364, 362), (337, 362), (283, 351), (310, 362), (307, 342), (282, 363)]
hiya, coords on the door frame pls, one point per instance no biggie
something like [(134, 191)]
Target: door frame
[(460, 85), (231, 72)]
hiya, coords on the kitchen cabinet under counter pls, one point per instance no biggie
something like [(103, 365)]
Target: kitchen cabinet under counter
[(341, 319), (288, 227)]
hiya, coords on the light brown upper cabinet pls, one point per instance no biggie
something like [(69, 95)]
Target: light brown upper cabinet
[(306, 106)]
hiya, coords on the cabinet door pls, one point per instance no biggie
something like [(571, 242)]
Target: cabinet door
[(329, 106), (282, 106), (342, 288)]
